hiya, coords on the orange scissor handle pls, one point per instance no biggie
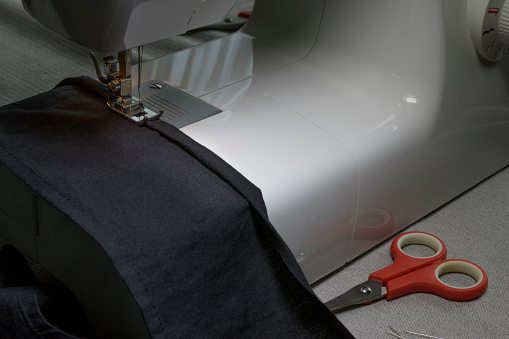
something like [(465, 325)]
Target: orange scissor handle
[(427, 280), (404, 263)]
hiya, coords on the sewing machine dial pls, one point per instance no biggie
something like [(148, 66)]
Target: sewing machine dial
[(489, 27)]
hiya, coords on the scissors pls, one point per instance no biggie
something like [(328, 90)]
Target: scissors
[(409, 274)]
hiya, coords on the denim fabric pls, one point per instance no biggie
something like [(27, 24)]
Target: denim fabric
[(186, 232)]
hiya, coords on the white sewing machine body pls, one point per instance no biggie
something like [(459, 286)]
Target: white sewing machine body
[(354, 118), (115, 25)]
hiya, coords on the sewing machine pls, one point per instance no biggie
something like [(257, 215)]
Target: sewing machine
[(354, 118)]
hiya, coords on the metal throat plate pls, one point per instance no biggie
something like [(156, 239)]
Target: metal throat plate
[(180, 109)]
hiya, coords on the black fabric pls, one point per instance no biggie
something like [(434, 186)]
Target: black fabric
[(29, 309), (189, 235)]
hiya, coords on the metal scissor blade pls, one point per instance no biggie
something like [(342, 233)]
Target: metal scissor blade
[(363, 293)]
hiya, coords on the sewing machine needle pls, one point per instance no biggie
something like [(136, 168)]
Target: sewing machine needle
[(140, 60)]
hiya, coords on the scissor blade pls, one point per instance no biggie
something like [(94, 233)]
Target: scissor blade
[(360, 294)]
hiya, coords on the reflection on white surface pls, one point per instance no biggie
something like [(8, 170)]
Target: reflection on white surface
[(411, 99), (325, 231), (384, 122)]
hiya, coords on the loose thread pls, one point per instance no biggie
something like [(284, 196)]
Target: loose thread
[(393, 330), (394, 334), (423, 335)]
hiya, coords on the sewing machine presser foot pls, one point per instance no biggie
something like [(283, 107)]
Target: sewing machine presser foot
[(134, 111), (119, 82)]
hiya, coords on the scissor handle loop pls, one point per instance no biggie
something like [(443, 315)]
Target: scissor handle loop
[(405, 263), (416, 238), (461, 266), (428, 280)]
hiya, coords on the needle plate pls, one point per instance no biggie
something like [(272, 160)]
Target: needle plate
[(180, 109)]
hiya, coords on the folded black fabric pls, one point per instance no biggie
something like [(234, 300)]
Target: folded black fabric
[(186, 232), (30, 309)]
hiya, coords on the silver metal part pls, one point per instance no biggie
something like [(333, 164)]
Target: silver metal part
[(360, 294), (366, 290), (118, 79), (180, 109), (140, 63)]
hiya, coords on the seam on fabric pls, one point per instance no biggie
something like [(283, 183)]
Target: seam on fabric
[(27, 319), (91, 219)]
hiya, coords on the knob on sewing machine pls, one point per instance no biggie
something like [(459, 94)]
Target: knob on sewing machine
[(488, 23)]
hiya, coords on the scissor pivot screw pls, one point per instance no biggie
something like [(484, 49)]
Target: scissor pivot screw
[(366, 290)]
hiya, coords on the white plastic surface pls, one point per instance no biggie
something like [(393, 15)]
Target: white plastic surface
[(373, 122), (115, 25)]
